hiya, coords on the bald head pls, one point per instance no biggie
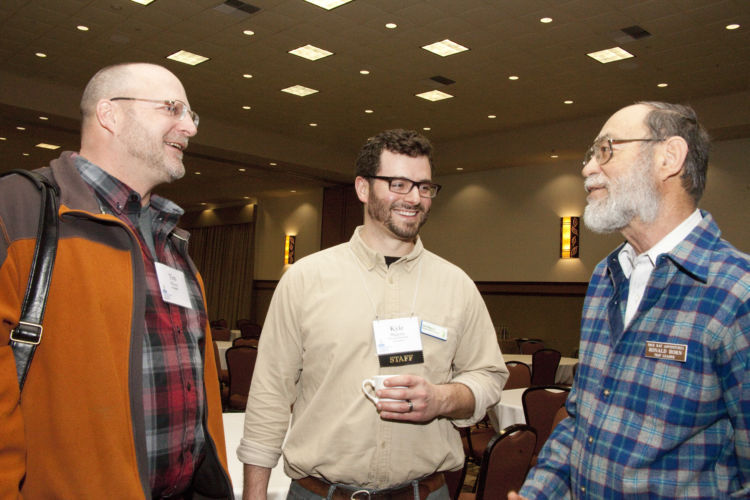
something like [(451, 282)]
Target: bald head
[(122, 80)]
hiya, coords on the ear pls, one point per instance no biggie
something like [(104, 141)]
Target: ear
[(672, 158), (362, 187), (106, 115)]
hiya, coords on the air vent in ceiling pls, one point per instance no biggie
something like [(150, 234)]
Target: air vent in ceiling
[(636, 32), (236, 7), (442, 79)]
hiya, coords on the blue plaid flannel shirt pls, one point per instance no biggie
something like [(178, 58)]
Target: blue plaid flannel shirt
[(655, 428)]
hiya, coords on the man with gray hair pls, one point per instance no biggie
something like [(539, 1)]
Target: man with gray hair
[(121, 399), (660, 407)]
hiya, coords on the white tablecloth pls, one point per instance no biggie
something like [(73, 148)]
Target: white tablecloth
[(564, 374), (508, 411), (278, 485), (223, 345)]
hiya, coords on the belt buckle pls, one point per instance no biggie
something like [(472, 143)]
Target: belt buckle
[(358, 492)]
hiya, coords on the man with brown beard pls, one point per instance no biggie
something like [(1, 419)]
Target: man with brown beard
[(378, 305)]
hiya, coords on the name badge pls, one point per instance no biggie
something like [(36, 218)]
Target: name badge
[(663, 350), (397, 341), (433, 330), (173, 285)]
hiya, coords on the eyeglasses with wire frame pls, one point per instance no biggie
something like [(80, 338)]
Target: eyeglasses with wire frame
[(602, 149), (176, 108), (402, 185)]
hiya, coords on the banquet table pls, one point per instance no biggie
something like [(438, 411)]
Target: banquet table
[(223, 345), (564, 373), (508, 411), (278, 484)]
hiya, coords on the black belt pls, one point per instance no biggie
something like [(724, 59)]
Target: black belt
[(426, 486)]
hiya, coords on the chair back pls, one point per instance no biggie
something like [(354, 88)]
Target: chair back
[(509, 346), (221, 323), (520, 375), (531, 346), (239, 341), (249, 331), (544, 363), (455, 481), (506, 462), (540, 404), (219, 333), (240, 364), (560, 415)]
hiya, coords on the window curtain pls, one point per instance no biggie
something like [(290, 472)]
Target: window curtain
[(224, 256)]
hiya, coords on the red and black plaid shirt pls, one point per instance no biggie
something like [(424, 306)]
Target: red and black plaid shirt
[(173, 398)]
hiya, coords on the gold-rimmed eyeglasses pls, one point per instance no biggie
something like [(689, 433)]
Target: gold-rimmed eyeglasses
[(402, 185), (177, 109), (602, 149)]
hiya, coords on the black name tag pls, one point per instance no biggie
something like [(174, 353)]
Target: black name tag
[(402, 358)]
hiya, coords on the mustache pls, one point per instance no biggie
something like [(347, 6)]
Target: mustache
[(594, 181)]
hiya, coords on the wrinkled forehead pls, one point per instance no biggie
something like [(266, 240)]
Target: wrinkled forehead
[(157, 83), (627, 123)]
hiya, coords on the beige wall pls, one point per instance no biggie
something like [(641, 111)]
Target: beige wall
[(293, 213)]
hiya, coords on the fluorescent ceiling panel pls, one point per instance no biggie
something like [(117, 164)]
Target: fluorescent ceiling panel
[(445, 48), (610, 55), (328, 4), (299, 90), (44, 145), (186, 57), (434, 95), (311, 52)]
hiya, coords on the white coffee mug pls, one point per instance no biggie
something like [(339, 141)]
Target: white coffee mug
[(373, 384)]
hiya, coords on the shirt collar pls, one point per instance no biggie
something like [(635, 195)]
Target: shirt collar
[(627, 255), (371, 258)]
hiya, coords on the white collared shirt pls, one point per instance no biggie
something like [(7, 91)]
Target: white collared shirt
[(637, 268)]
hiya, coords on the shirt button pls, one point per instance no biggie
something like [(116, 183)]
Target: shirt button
[(606, 393), (583, 489), (591, 439)]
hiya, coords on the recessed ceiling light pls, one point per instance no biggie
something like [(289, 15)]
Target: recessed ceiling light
[(662, 85), (445, 48), (246, 107), (43, 118), (41, 55), (311, 52), (186, 57), (299, 90), (732, 26), (248, 32), (553, 156), (242, 169), (20, 128), (491, 117), (369, 111), (292, 190), (81, 27), (245, 197), (545, 20), (197, 173), (273, 163), (434, 95), (25, 154), (568, 101), (512, 77), (143, 2), (203, 203), (313, 124), (427, 128), (610, 55), (3, 139), (391, 26), (328, 4), (247, 75), (44, 145), (364, 72)]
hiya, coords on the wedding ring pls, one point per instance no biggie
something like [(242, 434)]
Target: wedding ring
[(411, 405)]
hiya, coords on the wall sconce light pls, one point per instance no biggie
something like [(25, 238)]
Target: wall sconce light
[(569, 237), (289, 249)]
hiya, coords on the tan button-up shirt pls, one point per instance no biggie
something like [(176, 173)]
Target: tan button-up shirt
[(317, 346)]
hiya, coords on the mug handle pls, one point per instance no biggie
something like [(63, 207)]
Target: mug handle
[(369, 383)]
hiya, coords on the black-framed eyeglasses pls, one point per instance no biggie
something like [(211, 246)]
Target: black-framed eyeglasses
[(402, 185), (177, 109), (602, 149)]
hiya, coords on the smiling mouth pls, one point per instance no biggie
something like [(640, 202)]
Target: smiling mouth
[(176, 145), (406, 213)]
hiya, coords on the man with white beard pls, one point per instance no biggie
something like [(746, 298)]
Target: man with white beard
[(660, 407)]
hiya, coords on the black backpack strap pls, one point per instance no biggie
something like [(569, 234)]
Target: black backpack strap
[(27, 334)]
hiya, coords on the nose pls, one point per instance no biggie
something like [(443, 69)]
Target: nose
[(590, 168), (187, 126), (413, 195)]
